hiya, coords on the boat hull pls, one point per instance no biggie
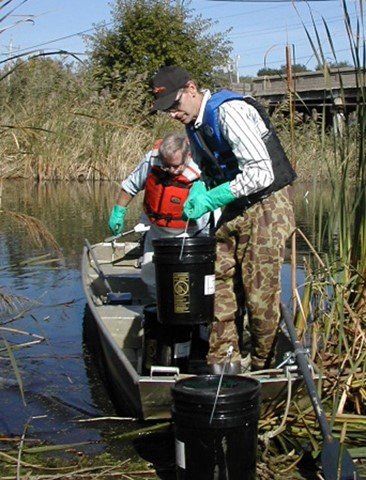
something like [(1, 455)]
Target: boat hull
[(121, 337)]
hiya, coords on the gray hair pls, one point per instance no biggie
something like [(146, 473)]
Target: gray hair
[(172, 143)]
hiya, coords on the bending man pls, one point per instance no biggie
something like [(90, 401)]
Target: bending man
[(248, 173), (166, 174)]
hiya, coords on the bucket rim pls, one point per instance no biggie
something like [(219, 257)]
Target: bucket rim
[(235, 386), (188, 241)]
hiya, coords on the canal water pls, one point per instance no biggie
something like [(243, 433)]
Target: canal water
[(61, 384)]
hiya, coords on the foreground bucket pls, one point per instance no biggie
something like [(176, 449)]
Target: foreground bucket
[(221, 448), (185, 279)]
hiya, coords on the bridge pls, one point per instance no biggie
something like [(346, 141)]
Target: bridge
[(312, 91)]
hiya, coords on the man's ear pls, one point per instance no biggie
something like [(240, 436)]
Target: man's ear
[(191, 86)]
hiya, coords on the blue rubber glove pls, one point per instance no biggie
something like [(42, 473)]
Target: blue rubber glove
[(116, 220), (207, 201)]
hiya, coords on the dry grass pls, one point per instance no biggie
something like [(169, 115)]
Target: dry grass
[(60, 128), (86, 140)]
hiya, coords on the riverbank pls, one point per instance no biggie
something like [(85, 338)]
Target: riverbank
[(57, 126), (100, 149)]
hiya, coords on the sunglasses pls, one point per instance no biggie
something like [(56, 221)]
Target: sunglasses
[(175, 106)]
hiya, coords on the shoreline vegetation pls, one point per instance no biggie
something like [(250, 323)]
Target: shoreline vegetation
[(57, 126)]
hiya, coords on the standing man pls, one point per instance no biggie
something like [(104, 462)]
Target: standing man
[(248, 173), (166, 174)]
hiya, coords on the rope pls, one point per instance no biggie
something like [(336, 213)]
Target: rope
[(183, 241), (227, 358), (266, 437)]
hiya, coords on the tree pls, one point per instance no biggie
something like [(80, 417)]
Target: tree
[(268, 72), (147, 34), (296, 68), (334, 65)]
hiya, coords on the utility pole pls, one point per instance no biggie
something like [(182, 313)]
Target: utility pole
[(10, 50), (291, 93), (9, 63)]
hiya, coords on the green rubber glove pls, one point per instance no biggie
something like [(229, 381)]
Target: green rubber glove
[(116, 220), (197, 188), (207, 201)]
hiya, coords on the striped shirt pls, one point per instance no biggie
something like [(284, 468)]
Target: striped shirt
[(243, 128)]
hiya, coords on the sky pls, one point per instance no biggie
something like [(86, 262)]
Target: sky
[(260, 31)]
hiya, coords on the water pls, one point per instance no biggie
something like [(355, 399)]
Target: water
[(61, 384)]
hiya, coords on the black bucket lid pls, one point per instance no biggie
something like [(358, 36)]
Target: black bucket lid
[(203, 389), (203, 241)]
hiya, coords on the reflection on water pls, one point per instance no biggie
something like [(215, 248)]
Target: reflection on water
[(60, 381)]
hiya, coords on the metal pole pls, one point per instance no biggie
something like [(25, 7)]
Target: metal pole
[(290, 91)]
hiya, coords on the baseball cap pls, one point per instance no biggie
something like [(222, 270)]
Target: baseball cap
[(166, 84)]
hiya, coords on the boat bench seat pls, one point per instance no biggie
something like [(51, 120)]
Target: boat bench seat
[(120, 283), (124, 324)]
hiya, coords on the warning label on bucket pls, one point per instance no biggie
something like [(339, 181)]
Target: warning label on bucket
[(180, 455), (209, 284), (181, 292), (182, 350)]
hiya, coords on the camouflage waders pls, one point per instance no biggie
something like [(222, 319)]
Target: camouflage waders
[(250, 249)]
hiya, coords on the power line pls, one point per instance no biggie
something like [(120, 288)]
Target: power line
[(235, 36), (298, 44), (259, 10), (276, 62), (58, 39), (279, 29)]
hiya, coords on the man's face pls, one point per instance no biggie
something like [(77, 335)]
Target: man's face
[(175, 164), (187, 105)]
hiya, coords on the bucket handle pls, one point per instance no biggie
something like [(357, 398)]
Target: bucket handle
[(156, 369)]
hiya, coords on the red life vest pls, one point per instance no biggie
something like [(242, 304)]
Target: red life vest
[(164, 198)]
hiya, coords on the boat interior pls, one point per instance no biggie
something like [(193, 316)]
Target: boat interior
[(127, 320), (151, 348)]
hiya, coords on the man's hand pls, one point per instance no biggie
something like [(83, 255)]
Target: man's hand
[(202, 201), (197, 188), (116, 221)]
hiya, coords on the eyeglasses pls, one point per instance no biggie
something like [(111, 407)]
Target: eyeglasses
[(174, 170), (177, 169), (175, 106)]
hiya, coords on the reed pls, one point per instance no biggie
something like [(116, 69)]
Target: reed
[(80, 140), (331, 315), (88, 136), (63, 128), (342, 271)]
